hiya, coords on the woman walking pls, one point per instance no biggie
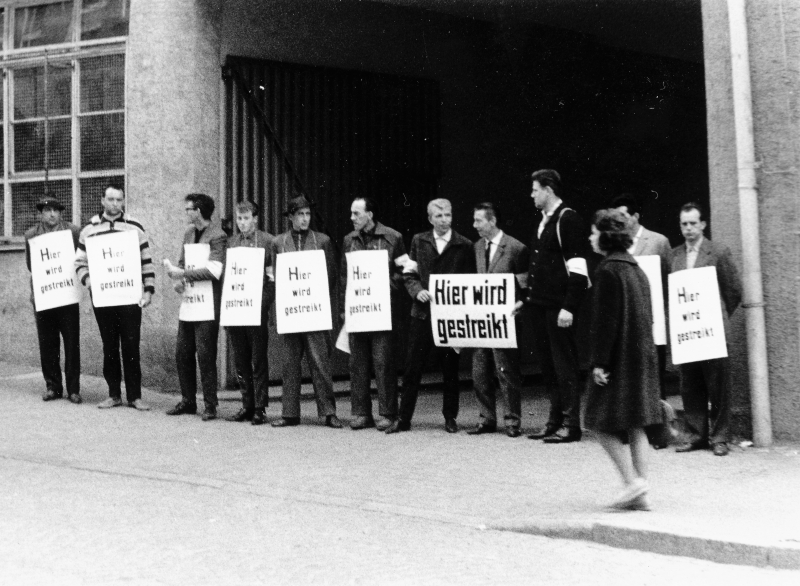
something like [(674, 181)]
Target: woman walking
[(624, 392)]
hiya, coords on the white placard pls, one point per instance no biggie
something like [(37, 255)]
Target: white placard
[(302, 296), (243, 288), (198, 296), (367, 300), (696, 328), (53, 270), (651, 265), (473, 311), (115, 268)]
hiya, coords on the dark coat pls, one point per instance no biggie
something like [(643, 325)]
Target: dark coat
[(456, 258), (622, 343), (511, 257)]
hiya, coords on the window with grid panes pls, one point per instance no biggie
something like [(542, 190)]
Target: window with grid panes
[(62, 132)]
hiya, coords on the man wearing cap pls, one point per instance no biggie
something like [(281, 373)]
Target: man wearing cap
[(250, 343), (316, 346), (120, 325), (197, 340), (61, 321), (378, 346), (438, 251)]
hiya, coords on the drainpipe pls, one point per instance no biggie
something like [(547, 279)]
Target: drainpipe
[(753, 302)]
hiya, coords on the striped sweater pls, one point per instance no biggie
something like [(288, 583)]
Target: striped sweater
[(100, 224)]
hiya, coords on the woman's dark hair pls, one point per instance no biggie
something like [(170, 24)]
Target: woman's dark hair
[(613, 228)]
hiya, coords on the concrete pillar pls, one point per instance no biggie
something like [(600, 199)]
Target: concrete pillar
[(173, 96), (774, 43)]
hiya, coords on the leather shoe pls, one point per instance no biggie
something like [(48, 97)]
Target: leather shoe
[(397, 426), (482, 428), (183, 408), (721, 449), (362, 423), (383, 423), (513, 432), (333, 421), (139, 405), (109, 403), (565, 435), (546, 431), (240, 416), (51, 395), (259, 417), (209, 414), (450, 425), (286, 422), (75, 398), (691, 446)]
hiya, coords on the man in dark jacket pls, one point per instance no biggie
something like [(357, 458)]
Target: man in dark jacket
[(317, 346), (557, 282), (441, 251), (379, 346), (61, 321), (250, 343), (197, 340)]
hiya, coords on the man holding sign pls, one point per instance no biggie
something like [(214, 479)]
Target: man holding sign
[(498, 253), (249, 342), (706, 380), (372, 338), (60, 316), (197, 278), (438, 251), (113, 261), (303, 278)]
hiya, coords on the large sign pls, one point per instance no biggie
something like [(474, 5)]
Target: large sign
[(244, 287), (696, 328), (473, 311), (198, 296), (53, 270), (651, 265), (302, 296), (367, 301), (115, 268)]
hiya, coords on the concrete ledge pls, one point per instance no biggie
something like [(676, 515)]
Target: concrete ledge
[(780, 555)]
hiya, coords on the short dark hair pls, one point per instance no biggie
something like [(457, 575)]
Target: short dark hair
[(202, 202), (548, 178), (247, 205), (613, 228), (629, 201), (692, 205), (489, 209), (369, 203), (116, 185)]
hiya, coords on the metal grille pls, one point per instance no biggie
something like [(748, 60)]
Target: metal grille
[(102, 120), (91, 193), (25, 195), (47, 24), (333, 135)]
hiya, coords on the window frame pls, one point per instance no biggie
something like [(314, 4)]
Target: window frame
[(72, 52)]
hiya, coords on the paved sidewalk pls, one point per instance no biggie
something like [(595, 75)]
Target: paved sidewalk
[(740, 509)]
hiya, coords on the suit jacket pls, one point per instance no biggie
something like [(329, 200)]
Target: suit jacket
[(653, 243), (511, 257), (456, 258), (218, 242), (716, 255)]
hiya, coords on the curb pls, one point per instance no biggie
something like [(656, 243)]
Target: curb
[(776, 555)]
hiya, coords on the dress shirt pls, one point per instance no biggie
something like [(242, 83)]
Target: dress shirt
[(547, 214), (495, 242), (441, 241), (691, 253), (636, 240)]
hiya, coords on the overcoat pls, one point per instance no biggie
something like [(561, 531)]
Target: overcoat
[(621, 342)]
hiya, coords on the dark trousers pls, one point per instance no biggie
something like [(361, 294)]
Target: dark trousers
[(493, 368), (249, 345), (317, 348), (120, 329), (197, 338), (420, 346), (558, 357), (703, 382), (51, 326), (662, 369), (378, 348)]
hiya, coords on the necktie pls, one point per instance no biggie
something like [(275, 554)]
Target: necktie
[(488, 253)]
